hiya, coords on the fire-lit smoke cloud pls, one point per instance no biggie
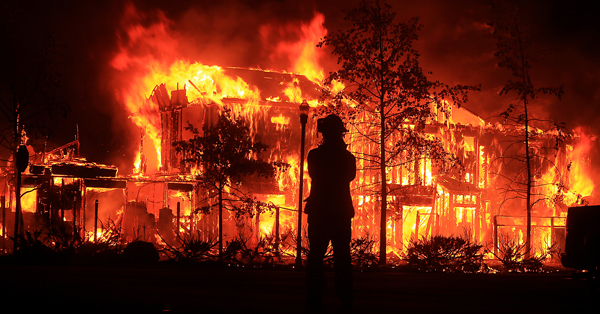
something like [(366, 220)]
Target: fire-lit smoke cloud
[(294, 47), (455, 44)]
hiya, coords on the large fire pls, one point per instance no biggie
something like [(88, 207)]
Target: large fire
[(160, 91), (426, 205)]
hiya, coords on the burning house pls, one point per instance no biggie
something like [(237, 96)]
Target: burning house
[(162, 197), (161, 93)]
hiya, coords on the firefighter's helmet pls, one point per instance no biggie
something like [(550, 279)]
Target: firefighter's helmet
[(332, 124)]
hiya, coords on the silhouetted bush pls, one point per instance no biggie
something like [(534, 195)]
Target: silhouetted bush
[(190, 248), (445, 253), (59, 244), (289, 246), (240, 251), (363, 256), (32, 247), (513, 257), (54, 244), (140, 252)]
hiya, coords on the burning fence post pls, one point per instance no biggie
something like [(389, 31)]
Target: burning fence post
[(95, 220), (3, 200), (495, 234), (417, 223), (277, 228), (178, 217), (75, 217), (63, 205), (303, 120)]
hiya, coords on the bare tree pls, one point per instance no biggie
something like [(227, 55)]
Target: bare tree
[(517, 53), (381, 72)]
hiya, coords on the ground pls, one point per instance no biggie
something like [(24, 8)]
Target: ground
[(193, 289)]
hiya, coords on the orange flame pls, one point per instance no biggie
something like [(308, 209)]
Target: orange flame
[(149, 56), (581, 182)]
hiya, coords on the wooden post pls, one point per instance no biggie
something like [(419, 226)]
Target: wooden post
[(417, 223), (452, 211), (400, 225), (178, 216), (433, 215), (3, 200), (82, 205), (477, 219), (495, 234), (428, 230), (257, 227), (95, 220), (63, 205), (75, 225), (277, 227), (552, 237), (192, 213)]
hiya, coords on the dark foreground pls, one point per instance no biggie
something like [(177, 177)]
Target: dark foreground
[(171, 289)]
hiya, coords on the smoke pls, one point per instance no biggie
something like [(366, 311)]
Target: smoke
[(456, 45)]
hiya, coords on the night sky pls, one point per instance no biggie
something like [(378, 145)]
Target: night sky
[(456, 45)]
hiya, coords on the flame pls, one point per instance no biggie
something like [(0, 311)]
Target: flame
[(29, 200), (293, 92), (280, 119), (149, 56), (580, 179)]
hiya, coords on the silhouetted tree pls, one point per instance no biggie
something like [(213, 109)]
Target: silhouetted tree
[(381, 72), (225, 153), (517, 53)]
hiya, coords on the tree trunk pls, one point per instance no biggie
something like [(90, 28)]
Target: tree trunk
[(524, 80), (383, 218), (220, 223), (528, 162), (383, 212)]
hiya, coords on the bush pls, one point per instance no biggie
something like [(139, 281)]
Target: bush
[(266, 252), (361, 250), (140, 252), (32, 247), (513, 257), (445, 253), (190, 248), (59, 244)]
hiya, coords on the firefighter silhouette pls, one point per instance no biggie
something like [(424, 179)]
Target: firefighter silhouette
[(329, 208)]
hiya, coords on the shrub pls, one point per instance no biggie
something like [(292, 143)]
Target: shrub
[(513, 257), (445, 253), (361, 250), (140, 252), (240, 251), (190, 248), (59, 244), (32, 247), (363, 256)]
